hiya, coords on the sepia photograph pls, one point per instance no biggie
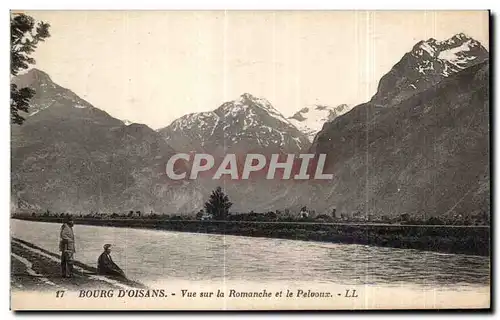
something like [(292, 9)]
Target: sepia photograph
[(250, 160)]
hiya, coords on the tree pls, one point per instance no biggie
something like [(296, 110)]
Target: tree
[(199, 215), (25, 34), (218, 204), (405, 217)]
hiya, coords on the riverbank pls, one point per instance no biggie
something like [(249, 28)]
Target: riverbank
[(36, 269), (474, 240)]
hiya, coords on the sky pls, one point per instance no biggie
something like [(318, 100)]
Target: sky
[(152, 67)]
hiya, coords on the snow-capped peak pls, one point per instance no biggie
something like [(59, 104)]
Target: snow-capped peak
[(447, 56), (427, 46), (127, 122), (246, 122), (246, 100), (428, 63), (199, 119), (310, 120), (453, 53)]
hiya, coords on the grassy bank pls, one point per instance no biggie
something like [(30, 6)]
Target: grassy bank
[(451, 239), (36, 269)]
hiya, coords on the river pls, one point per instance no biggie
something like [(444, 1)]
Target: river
[(154, 255)]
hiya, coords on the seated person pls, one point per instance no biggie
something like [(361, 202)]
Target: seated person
[(106, 266)]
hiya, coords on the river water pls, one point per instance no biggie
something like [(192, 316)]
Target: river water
[(153, 255)]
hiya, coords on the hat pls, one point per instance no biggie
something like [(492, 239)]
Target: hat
[(106, 246)]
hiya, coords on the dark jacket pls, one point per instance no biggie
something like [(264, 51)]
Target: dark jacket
[(106, 266)]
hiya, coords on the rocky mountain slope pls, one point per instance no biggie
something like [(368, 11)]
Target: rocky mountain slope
[(427, 155), (70, 156)]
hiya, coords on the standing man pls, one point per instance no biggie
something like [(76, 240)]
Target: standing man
[(106, 266), (67, 247)]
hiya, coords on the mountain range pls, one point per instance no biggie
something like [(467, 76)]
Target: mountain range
[(419, 146), (247, 124)]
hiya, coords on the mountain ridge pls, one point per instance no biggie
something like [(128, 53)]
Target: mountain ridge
[(246, 123), (427, 156), (428, 63), (66, 158)]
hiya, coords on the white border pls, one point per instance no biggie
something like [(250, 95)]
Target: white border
[(187, 5), (255, 4)]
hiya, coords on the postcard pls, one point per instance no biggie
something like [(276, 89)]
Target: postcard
[(250, 160)]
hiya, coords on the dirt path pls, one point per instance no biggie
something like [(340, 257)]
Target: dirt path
[(34, 268)]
